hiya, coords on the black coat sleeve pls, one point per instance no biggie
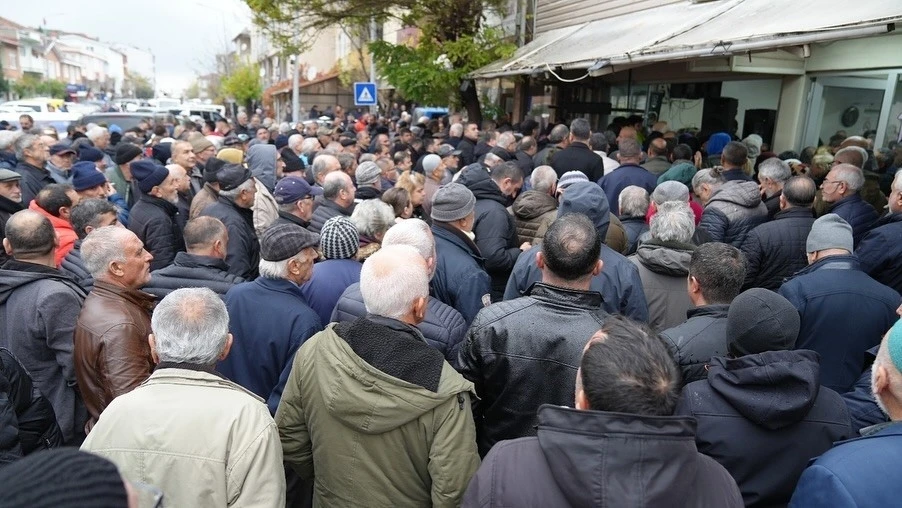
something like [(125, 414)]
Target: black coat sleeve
[(37, 424)]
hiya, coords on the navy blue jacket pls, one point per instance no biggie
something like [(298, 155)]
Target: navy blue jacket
[(858, 472), (494, 226), (635, 227), (460, 278), (628, 174), (329, 280), (844, 313), (243, 249), (619, 282), (443, 328), (863, 409), (269, 320), (857, 212), (881, 249)]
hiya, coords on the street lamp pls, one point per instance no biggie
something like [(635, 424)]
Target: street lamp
[(295, 91)]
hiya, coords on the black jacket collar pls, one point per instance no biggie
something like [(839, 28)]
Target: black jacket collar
[(167, 207), (570, 297), (187, 260), (293, 219), (794, 212), (10, 206)]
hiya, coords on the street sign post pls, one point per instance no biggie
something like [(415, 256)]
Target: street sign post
[(364, 94)]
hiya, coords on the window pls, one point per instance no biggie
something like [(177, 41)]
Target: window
[(11, 59)]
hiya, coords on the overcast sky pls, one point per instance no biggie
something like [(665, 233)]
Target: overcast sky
[(184, 35)]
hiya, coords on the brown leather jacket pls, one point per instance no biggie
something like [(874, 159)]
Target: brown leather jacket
[(112, 355)]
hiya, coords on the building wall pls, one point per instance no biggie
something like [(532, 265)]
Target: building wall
[(551, 14)]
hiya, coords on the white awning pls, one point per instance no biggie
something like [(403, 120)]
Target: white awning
[(696, 30)]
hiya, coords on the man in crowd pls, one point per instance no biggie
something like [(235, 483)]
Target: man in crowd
[(716, 272), (10, 202), (467, 145), (86, 216), (237, 191), (844, 312), (861, 472), (338, 199), (369, 185), (32, 153), (295, 199), (55, 201), (495, 230), (154, 217), (663, 262), (443, 327), (112, 355), (558, 139), (526, 149), (769, 393), (658, 161), (322, 165), (619, 282), (186, 421), (120, 174), (773, 174), (203, 151), (775, 250), (627, 388), (202, 265), (264, 348), (629, 172), (409, 442), (38, 309), (733, 159), (841, 192), (338, 267), (516, 354), (632, 212), (460, 279), (732, 207), (535, 209), (62, 156), (879, 249)]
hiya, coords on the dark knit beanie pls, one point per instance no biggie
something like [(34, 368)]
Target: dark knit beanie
[(760, 320), (126, 152), (148, 174), (62, 478)]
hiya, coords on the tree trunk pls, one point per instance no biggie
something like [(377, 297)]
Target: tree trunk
[(469, 99)]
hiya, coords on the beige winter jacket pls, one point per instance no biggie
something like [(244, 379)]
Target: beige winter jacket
[(201, 439)]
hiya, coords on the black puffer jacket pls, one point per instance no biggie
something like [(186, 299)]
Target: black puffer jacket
[(857, 212), (27, 421), (74, 267), (774, 401), (519, 357), (775, 250), (325, 211), (155, 222), (496, 232), (733, 210), (695, 342), (192, 271), (443, 328), (243, 250), (587, 459)]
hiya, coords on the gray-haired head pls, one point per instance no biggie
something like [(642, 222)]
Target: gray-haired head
[(629, 150), (413, 233), (633, 201), (774, 169), (392, 280), (104, 246), (190, 325), (709, 176), (543, 179), (670, 190), (373, 218), (673, 222), (851, 175), (558, 133)]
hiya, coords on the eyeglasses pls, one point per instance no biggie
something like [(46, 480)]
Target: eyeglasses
[(825, 182)]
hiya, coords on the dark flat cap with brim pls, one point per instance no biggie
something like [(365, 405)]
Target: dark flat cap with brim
[(284, 241), (232, 175)]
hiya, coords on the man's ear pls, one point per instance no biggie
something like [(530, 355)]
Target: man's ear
[(879, 379), (226, 349), (597, 268), (7, 247), (153, 348), (582, 402), (540, 260), (693, 285)]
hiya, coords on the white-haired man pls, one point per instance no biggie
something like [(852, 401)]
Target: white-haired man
[(370, 411), (773, 174), (112, 356), (267, 342), (841, 191), (535, 209), (443, 327), (880, 249), (863, 472), (188, 422)]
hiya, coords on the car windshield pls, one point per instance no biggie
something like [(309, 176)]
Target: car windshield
[(125, 122)]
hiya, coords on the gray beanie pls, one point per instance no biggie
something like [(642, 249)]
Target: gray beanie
[(367, 173), (760, 320), (830, 232), (571, 177), (452, 202)]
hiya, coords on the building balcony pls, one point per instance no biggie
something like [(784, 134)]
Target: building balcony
[(32, 65)]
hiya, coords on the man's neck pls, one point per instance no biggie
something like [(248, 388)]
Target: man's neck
[(47, 261), (112, 282), (727, 167), (551, 279)]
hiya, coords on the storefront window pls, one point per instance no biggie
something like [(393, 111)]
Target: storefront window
[(894, 122)]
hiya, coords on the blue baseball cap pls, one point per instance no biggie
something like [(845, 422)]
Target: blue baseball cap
[(294, 188)]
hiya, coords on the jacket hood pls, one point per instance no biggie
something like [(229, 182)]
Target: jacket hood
[(15, 274), (261, 160), (649, 460), (666, 258), (745, 194), (773, 389), (372, 402), (479, 182), (532, 204)]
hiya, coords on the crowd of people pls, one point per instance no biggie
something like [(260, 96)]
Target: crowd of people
[(432, 312)]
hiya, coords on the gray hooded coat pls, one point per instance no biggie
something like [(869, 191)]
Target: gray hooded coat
[(663, 267)]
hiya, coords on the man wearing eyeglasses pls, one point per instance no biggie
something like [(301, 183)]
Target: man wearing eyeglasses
[(295, 199), (840, 191)]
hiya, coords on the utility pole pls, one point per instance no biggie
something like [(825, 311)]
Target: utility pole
[(375, 108), (295, 91)]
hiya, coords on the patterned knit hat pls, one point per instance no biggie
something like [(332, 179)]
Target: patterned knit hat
[(62, 478), (339, 238), (571, 177)]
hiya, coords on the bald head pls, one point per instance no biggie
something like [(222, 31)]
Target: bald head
[(630, 151), (544, 179), (657, 147), (394, 283), (29, 236), (853, 155)]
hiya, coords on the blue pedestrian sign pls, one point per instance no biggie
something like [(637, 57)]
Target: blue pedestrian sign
[(364, 94)]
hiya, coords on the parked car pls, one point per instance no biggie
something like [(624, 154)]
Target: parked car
[(127, 121)]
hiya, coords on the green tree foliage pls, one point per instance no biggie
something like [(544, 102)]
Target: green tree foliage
[(453, 40), (243, 84), (143, 87), (32, 86)]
